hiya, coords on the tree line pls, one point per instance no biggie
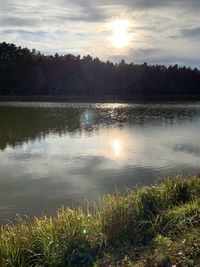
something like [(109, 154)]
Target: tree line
[(28, 72)]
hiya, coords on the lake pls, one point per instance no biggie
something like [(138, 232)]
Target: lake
[(62, 153)]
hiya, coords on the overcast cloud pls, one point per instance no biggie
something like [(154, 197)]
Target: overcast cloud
[(162, 31)]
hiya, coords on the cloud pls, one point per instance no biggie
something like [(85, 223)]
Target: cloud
[(91, 13), (191, 33), (162, 30), (159, 56), (141, 55), (142, 4), (18, 21), (87, 15), (193, 4)]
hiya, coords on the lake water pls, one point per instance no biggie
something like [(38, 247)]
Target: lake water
[(60, 153)]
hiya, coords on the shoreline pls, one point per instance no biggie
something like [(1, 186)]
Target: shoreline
[(99, 99), (156, 225)]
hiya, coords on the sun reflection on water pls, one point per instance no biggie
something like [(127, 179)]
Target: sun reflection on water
[(117, 147)]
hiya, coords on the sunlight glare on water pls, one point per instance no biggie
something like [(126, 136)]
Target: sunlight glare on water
[(117, 147)]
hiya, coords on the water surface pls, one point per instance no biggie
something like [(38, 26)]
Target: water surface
[(60, 153)]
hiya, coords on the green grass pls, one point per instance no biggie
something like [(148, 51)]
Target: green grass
[(148, 226)]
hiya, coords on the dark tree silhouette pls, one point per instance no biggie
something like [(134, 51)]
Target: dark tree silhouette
[(28, 72)]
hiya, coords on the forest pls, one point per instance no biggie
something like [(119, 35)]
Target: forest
[(25, 72)]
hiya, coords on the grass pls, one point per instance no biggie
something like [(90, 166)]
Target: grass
[(148, 226)]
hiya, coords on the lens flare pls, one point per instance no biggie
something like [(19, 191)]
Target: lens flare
[(87, 119)]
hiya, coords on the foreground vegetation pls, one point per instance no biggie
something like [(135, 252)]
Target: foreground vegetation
[(148, 226)]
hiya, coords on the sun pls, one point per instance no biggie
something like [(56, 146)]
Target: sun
[(120, 36)]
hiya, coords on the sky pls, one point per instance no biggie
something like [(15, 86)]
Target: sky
[(152, 31)]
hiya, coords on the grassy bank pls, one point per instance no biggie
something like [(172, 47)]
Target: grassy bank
[(148, 226)]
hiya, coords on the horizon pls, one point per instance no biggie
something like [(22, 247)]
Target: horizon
[(136, 31)]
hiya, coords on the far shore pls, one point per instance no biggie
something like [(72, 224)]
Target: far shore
[(100, 99)]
